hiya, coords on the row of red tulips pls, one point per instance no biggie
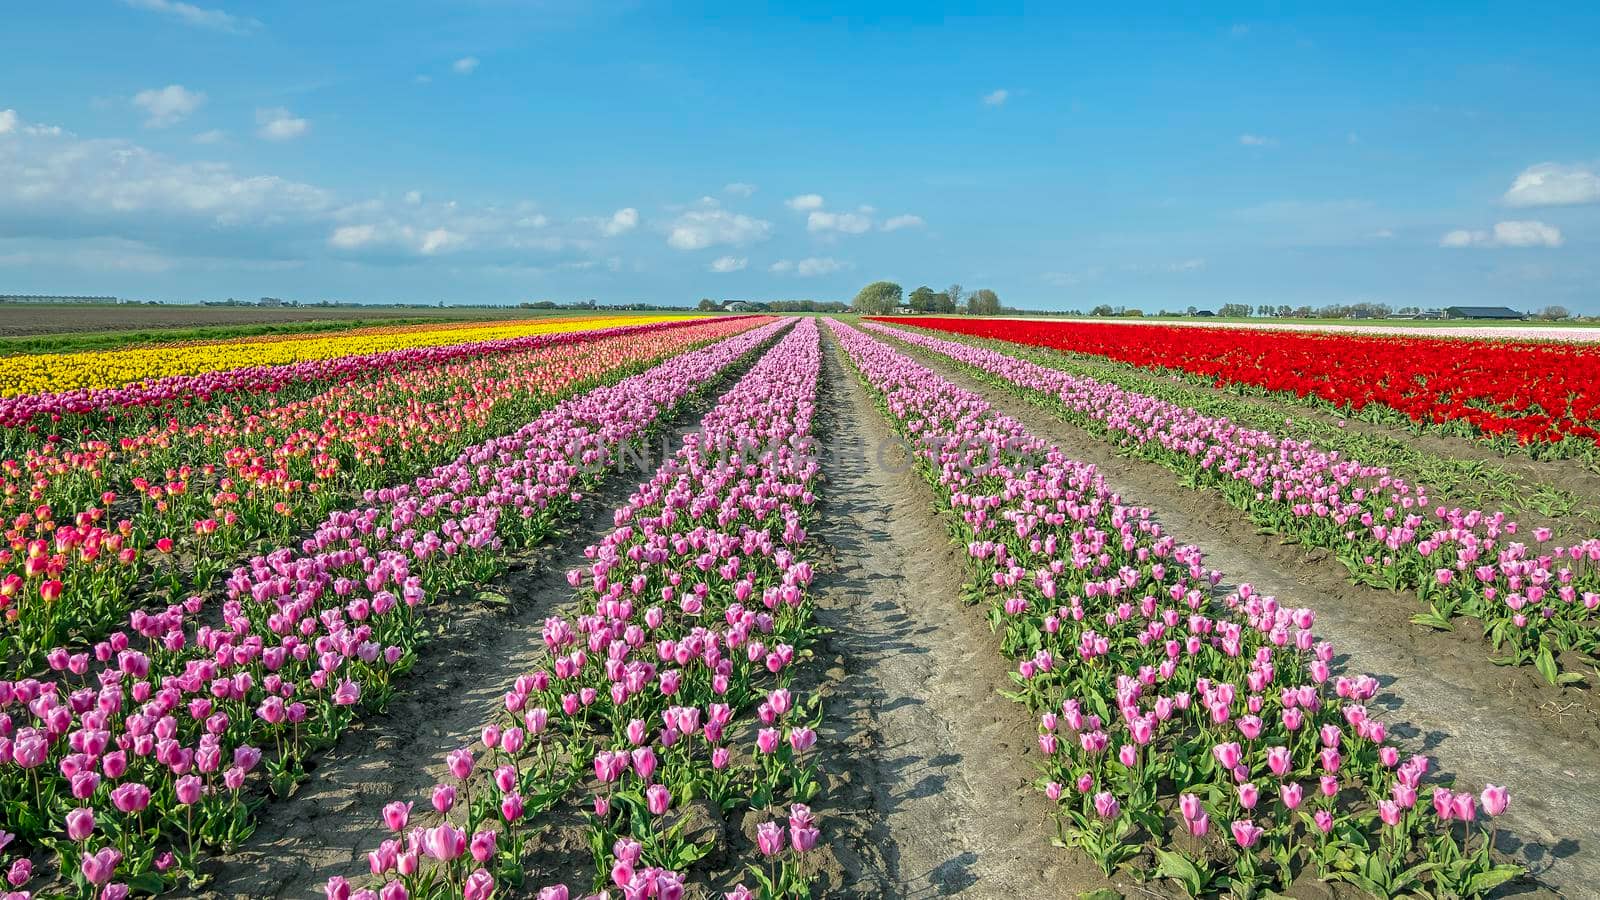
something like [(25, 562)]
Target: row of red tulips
[(1526, 392), (1538, 601), (692, 616), (140, 755), (1162, 707), (94, 523)]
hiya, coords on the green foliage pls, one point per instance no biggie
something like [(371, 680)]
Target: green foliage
[(877, 299), (923, 300), (983, 302)]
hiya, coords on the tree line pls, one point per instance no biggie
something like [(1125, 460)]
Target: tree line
[(882, 298)]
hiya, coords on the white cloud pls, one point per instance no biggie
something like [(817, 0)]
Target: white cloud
[(198, 17), (849, 223), (66, 193), (439, 239), (809, 267), (895, 223), (996, 97), (621, 222), (1552, 184), (278, 124), (96, 181), (739, 189), (725, 264), (8, 121), (1522, 233), (805, 202), (466, 65), (1383, 233), (422, 79), (214, 136), (168, 105), (824, 265), (1256, 140), (702, 228), (351, 237)]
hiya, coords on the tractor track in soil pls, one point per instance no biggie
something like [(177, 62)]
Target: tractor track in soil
[(928, 785)]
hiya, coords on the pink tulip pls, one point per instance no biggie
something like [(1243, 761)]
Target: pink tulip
[(98, 867), (770, 837), (1246, 833), (396, 814), (658, 798), (80, 824), (478, 886), (1495, 799), (1105, 804), (444, 842)]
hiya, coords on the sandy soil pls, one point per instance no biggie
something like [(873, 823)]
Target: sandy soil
[(1518, 331), (1480, 722), (928, 791)]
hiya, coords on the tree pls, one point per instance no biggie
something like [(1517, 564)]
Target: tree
[(942, 303), (983, 302), (1234, 311), (1553, 313), (877, 299), (1103, 309), (955, 295), (923, 300), (708, 305)]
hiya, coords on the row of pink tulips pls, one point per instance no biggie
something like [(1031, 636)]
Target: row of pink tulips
[(171, 506), (692, 615), (141, 752), (1162, 708), (38, 414), (1536, 600)]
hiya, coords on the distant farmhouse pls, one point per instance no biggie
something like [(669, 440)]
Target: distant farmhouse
[(1482, 312)]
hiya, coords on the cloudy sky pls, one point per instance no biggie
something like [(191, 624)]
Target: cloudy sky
[(503, 150)]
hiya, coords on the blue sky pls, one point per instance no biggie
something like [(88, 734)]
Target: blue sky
[(1064, 155)]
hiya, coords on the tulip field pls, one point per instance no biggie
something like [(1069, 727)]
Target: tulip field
[(227, 564)]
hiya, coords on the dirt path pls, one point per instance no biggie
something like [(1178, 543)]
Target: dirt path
[(927, 790), (1480, 722)]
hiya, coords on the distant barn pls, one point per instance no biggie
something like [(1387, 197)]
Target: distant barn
[(1482, 312)]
